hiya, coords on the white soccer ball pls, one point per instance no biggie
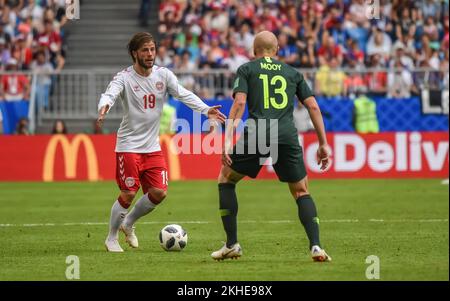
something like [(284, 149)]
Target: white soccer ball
[(173, 238)]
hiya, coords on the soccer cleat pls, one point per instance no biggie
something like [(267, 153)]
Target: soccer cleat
[(225, 253), (113, 246), (318, 254), (130, 236)]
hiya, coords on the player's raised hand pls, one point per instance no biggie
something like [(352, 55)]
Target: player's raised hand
[(323, 156), (215, 114)]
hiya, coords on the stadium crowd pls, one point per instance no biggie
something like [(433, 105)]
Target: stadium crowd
[(333, 36), (31, 39)]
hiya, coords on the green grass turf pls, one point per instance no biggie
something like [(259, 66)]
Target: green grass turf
[(410, 245)]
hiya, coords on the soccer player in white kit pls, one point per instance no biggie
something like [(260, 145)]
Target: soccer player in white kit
[(143, 88)]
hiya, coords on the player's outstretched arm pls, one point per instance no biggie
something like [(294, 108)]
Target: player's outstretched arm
[(323, 153), (110, 96)]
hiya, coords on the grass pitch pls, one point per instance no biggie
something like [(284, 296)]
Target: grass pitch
[(403, 222)]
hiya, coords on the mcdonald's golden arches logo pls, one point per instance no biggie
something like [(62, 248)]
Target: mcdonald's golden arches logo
[(70, 153)]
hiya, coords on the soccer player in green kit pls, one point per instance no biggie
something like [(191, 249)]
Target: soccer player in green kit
[(268, 87)]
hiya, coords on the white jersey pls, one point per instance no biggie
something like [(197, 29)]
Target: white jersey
[(142, 100)]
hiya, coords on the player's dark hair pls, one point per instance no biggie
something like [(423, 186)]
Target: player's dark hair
[(137, 41)]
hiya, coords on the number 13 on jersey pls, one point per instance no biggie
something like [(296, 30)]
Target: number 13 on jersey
[(280, 90)]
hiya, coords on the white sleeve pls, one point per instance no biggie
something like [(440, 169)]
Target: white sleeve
[(187, 97), (112, 92)]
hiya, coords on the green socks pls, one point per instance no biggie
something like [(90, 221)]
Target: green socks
[(308, 216), (228, 211)]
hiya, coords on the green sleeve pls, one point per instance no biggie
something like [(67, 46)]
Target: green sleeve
[(303, 90), (241, 81)]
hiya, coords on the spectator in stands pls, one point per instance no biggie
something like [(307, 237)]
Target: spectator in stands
[(162, 57), (194, 11), (357, 10), (233, 44), (186, 67), (9, 18), (291, 23), (379, 43), (330, 79), (170, 14), (22, 127), (5, 53), (431, 30), (329, 50), (171, 6), (405, 25), (287, 53), (217, 19), (36, 12), (376, 80), (269, 19), (313, 6), (59, 127), (425, 80), (234, 60), (244, 38), (50, 40), (354, 57), (216, 52), (308, 57), (399, 54), (430, 8), (400, 81), (3, 34), (44, 70), (176, 62), (409, 45), (354, 80), (14, 86), (22, 53)]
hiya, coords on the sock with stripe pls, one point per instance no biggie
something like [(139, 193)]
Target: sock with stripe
[(308, 216), (228, 211), (118, 212)]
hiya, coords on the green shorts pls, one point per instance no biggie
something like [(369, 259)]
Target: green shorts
[(289, 165)]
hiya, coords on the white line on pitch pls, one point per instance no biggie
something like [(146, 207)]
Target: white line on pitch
[(433, 220)]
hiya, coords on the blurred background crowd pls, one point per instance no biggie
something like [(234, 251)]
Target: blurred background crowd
[(312, 33), (330, 35)]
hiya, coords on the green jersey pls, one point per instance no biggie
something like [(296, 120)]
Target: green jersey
[(270, 86)]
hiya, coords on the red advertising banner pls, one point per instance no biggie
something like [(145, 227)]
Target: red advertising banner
[(91, 157)]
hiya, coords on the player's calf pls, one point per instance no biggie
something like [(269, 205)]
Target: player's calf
[(126, 198), (157, 195)]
